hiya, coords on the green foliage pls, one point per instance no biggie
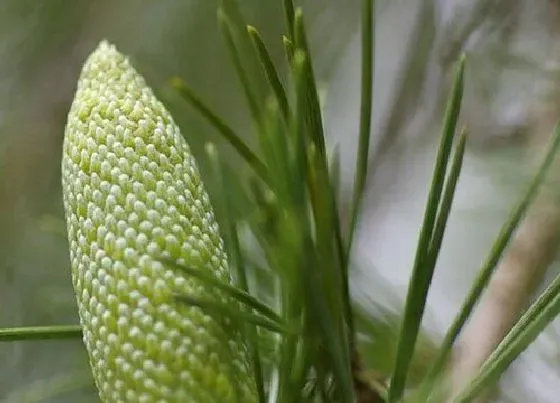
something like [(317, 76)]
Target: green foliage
[(296, 314)]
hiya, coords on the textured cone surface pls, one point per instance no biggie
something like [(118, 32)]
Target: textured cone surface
[(133, 195)]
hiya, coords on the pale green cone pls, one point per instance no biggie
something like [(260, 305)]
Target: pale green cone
[(133, 194)]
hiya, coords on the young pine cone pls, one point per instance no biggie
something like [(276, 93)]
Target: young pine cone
[(133, 196)]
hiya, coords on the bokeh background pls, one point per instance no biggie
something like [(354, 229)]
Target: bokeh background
[(512, 76)]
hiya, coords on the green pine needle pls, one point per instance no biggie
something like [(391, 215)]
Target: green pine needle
[(314, 120), (289, 16), (541, 313), (493, 258), (232, 313), (241, 296), (423, 269), (29, 333), (368, 40), (270, 71), (248, 85), (447, 200), (223, 128), (289, 48)]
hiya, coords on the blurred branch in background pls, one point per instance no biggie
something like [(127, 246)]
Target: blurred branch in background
[(530, 254)]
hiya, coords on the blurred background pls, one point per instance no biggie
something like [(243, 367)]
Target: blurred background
[(511, 95)]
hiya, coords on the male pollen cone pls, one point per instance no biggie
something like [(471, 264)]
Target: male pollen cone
[(133, 196)]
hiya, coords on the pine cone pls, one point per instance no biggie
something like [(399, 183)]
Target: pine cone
[(133, 196)]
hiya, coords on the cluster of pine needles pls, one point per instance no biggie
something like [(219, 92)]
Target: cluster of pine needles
[(295, 308)]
